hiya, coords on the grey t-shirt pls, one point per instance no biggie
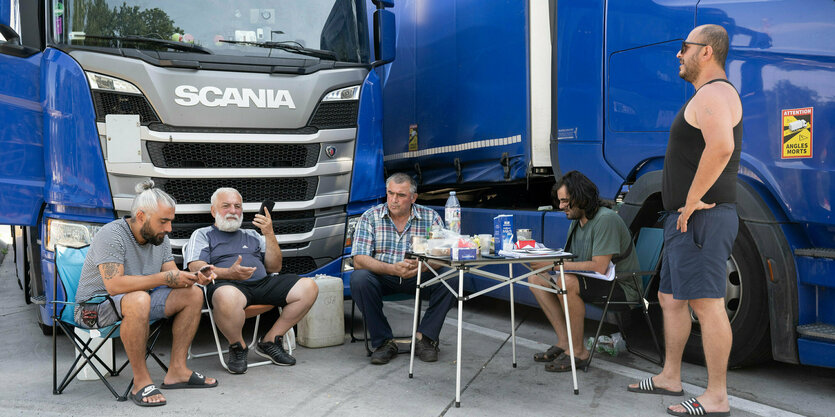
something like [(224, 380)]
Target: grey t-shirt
[(115, 243)]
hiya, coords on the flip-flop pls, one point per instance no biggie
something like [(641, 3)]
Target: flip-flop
[(647, 387), (549, 355), (563, 363), (693, 408), (146, 392), (196, 380)]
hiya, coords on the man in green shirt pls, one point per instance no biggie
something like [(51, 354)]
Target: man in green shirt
[(597, 236)]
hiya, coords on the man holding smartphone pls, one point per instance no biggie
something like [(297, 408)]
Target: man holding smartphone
[(247, 266)]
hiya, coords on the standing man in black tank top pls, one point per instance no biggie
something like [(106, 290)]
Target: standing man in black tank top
[(699, 196)]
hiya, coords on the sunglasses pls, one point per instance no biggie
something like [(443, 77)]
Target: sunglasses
[(685, 43)]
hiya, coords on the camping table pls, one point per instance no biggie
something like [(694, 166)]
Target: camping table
[(474, 266)]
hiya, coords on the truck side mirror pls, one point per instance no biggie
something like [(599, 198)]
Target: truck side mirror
[(12, 45), (384, 36), (9, 34)]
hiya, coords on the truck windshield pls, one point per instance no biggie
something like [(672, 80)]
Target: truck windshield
[(334, 29)]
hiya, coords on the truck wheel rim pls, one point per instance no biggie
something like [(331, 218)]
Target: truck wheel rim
[(733, 291)]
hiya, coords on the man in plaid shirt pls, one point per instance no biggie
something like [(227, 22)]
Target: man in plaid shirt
[(382, 236)]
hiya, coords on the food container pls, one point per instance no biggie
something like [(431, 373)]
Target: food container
[(438, 247), (418, 244)]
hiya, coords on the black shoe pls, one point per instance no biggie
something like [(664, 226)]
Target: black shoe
[(275, 352), (426, 349), (236, 361), (383, 354)]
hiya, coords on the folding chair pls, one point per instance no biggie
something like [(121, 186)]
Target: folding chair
[(390, 297), (648, 248), (68, 263), (256, 311)]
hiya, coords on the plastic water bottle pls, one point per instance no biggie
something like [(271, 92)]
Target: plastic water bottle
[(452, 213)]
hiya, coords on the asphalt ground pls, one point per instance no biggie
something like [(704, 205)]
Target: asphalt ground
[(340, 381)]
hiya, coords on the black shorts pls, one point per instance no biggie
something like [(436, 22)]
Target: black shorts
[(271, 290), (593, 289)]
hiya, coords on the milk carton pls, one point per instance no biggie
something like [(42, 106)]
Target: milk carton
[(503, 232)]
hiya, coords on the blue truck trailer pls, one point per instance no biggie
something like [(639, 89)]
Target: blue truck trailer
[(277, 99), (493, 99)]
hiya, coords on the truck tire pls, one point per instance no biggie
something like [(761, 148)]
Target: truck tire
[(746, 302)]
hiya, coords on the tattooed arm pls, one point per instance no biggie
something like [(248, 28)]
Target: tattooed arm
[(116, 282)]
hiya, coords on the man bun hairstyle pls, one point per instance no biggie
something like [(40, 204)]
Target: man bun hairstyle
[(717, 37), (149, 198)]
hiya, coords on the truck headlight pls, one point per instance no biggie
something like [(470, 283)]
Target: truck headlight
[(104, 82), (70, 233), (343, 94)]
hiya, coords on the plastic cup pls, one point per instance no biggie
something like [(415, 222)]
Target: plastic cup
[(484, 241), (523, 234)]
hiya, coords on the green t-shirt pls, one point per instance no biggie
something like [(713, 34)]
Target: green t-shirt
[(606, 234)]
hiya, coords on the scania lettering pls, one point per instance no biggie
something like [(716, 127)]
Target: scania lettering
[(278, 99), (261, 98)]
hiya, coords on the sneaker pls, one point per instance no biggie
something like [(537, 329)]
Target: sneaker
[(236, 361), (426, 349), (383, 354), (275, 352)]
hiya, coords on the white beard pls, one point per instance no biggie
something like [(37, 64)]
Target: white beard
[(231, 223)]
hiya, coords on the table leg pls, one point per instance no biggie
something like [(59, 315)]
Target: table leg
[(568, 327), (460, 325), (414, 322), (512, 316)]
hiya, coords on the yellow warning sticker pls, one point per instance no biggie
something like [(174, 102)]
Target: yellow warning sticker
[(797, 133), (413, 138)]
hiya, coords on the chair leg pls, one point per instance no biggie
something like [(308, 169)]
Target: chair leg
[(660, 360), (353, 308), (600, 325), (88, 355)]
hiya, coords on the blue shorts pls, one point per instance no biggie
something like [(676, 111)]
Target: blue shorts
[(694, 263)]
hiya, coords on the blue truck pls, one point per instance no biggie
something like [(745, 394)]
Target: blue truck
[(277, 99), (493, 99)]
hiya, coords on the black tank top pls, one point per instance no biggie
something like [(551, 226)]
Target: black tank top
[(684, 150)]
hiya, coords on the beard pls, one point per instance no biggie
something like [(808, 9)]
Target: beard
[(690, 72), (148, 234), (229, 223)]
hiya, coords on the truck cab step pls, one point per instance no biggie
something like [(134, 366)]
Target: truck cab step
[(818, 331), (39, 299), (828, 253)]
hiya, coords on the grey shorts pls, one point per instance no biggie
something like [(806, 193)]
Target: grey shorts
[(694, 263), (107, 315)]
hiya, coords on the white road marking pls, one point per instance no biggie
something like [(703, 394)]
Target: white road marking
[(635, 374)]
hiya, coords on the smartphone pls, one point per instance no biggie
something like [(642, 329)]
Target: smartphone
[(268, 205), (205, 271)]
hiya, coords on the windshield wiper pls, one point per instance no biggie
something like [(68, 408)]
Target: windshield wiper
[(170, 44), (289, 47)]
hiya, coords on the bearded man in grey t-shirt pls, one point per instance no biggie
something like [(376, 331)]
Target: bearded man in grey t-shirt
[(130, 260)]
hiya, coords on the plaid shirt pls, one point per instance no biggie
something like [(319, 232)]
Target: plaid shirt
[(376, 235)]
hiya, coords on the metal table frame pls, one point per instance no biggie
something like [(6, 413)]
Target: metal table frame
[(474, 267)]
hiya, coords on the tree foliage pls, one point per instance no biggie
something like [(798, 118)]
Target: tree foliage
[(95, 17)]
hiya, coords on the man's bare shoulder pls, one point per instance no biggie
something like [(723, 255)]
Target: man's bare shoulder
[(719, 94)]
